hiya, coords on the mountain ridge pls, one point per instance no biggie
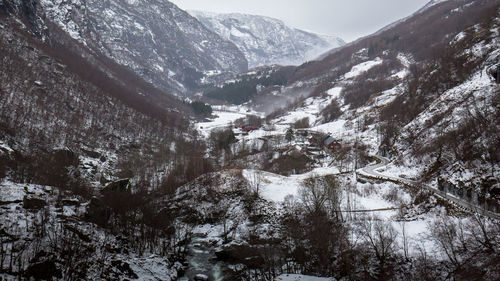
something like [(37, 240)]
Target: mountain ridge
[(147, 37), (266, 40)]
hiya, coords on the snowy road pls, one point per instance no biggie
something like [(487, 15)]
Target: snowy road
[(370, 171)]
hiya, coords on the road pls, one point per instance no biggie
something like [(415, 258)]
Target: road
[(371, 172)]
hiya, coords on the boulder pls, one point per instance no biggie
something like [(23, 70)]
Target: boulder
[(124, 268), (97, 212), (33, 203), (119, 186), (43, 267)]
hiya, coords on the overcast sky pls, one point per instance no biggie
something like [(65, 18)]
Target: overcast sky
[(349, 19)]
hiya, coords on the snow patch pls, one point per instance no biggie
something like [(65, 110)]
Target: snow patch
[(362, 67), (275, 187), (222, 120), (5, 147)]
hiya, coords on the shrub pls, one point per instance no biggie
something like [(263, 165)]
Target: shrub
[(302, 123), (221, 139), (331, 112), (289, 134)]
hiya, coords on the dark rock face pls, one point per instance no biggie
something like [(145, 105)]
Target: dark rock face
[(98, 212), (495, 72), (44, 271), (66, 156), (117, 186), (43, 267), (33, 203)]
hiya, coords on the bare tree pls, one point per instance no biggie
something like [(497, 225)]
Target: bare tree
[(406, 242), (321, 194), (470, 247), (380, 238), (255, 182), (313, 194)]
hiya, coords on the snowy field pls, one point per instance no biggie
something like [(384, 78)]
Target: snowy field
[(362, 67), (222, 120), (276, 187)]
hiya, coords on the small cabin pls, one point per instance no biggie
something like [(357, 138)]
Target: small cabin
[(331, 143), (325, 141)]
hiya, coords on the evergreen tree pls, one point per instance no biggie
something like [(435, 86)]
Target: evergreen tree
[(289, 135)]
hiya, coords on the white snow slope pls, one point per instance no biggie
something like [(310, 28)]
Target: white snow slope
[(267, 41)]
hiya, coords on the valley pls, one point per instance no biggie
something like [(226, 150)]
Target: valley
[(142, 142)]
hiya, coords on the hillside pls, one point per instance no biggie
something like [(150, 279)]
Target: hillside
[(379, 161), (424, 93), (147, 37), (398, 92), (83, 141), (268, 41)]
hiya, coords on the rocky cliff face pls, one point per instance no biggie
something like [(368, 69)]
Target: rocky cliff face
[(267, 41), (157, 40)]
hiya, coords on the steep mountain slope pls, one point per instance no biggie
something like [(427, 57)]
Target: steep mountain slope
[(36, 52), (267, 41), (411, 91), (157, 40), (80, 136)]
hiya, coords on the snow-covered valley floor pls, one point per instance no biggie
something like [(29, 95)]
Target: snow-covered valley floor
[(360, 201)]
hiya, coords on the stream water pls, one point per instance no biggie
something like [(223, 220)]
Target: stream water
[(202, 262)]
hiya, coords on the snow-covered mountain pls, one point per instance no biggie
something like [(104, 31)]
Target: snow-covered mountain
[(104, 177), (157, 40), (416, 92), (266, 41), (413, 90)]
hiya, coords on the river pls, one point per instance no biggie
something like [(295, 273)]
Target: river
[(202, 261)]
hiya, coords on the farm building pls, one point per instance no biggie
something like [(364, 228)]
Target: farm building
[(325, 141)]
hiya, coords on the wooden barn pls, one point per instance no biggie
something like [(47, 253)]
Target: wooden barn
[(325, 141)]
